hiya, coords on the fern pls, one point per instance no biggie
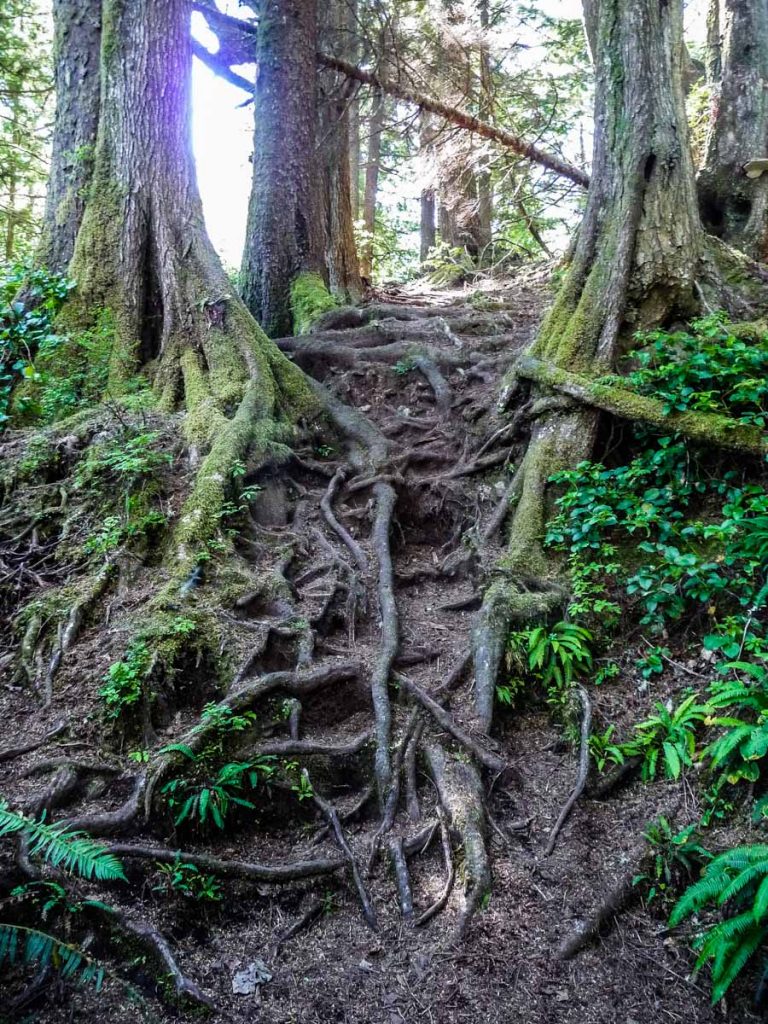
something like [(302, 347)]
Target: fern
[(75, 852), (33, 946), (737, 882)]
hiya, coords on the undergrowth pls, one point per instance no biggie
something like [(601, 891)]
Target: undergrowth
[(675, 542)]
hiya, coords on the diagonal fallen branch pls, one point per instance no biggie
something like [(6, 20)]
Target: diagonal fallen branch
[(248, 871)]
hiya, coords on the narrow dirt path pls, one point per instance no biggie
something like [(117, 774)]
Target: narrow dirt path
[(426, 372)]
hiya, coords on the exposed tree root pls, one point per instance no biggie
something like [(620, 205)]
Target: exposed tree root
[(450, 877), (10, 753), (326, 504), (704, 428), (246, 871), (385, 503), (581, 778), (158, 945), (486, 757), (310, 915), (402, 877), (333, 820), (460, 792)]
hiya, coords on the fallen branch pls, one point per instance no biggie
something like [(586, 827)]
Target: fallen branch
[(385, 503), (581, 778), (460, 118)]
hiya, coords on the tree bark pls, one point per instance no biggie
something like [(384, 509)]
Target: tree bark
[(284, 233), (428, 227), (77, 37), (145, 268), (635, 263), (733, 206), (333, 134), (372, 168)]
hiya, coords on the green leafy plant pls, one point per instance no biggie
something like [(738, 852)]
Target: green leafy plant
[(672, 855), (559, 654), (669, 735), (209, 795), (735, 885), (189, 882), (124, 681), (75, 852)]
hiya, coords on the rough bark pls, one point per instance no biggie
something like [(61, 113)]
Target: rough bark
[(734, 206), (635, 262), (428, 228), (143, 261), (77, 35), (284, 232), (335, 96), (372, 169)]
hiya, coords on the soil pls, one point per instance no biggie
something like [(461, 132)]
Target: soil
[(337, 969)]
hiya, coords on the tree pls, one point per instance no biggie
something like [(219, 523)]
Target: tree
[(734, 204), (641, 258), (25, 89), (284, 236), (143, 261)]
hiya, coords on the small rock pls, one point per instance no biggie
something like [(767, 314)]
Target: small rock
[(245, 982), (563, 995), (364, 965)]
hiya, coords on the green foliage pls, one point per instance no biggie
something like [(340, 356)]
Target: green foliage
[(208, 795), (72, 851), (188, 881), (670, 734), (672, 855), (736, 884), (19, 943), (559, 654), (160, 646), (26, 328), (124, 680), (706, 369)]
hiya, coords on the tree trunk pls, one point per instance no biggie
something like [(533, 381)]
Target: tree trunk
[(428, 227), (284, 233), (143, 263), (333, 136), (372, 168), (733, 206), (485, 106), (354, 119), (635, 263), (77, 34)]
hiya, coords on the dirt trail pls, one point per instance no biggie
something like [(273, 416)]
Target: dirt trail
[(337, 968)]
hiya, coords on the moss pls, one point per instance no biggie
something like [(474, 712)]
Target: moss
[(310, 298)]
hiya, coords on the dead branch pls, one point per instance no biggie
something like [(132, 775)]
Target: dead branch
[(246, 871)]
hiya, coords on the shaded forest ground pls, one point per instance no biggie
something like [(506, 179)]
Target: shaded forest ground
[(336, 968)]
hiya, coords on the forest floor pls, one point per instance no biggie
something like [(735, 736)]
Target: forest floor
[(337, 969)]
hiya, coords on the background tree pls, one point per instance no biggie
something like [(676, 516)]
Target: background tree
[(284, 235), (25, 91)]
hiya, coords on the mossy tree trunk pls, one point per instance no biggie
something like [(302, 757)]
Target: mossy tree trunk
[(143, 259), (733, 206), (284, 235), (77, 39), (636, 261)]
